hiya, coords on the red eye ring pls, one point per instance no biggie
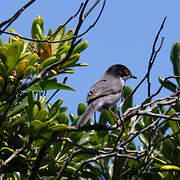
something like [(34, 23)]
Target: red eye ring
[(126, 71)]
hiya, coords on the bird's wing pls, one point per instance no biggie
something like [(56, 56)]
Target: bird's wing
[(100, 89)]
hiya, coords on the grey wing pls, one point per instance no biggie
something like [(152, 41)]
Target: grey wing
[(100, 89)]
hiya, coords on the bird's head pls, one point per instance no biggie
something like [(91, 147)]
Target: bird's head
[(122, 71)]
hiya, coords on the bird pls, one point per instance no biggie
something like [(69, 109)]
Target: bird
[(104, 94)]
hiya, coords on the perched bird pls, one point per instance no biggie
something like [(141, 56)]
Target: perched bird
[(106, 92)]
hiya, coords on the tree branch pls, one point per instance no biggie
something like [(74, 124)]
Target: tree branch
[(14, 17), (151, 61)]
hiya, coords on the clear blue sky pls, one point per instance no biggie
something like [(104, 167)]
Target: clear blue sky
[(124, 34)]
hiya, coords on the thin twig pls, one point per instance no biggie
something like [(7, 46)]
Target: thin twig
[(65, 23), (14, 17), (63, 40), (151, 57)]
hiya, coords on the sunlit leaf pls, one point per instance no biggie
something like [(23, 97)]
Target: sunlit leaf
[(13, 54), (53, 84)]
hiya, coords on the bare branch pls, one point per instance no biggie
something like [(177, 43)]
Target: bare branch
[(63, 40), (16, 152), (102, 156), (15, 16), (151, 60), (71, 156)]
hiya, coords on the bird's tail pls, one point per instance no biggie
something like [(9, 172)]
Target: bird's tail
[(92, 107)]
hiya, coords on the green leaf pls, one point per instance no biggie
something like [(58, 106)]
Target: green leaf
[(50, 32), (33, 59), (58, 127), (34, 29), (168, 84), (177, 107), (3, 108), (53, 84), (73, 118), (62, 50), (38, 124), (13, 54), (58, 36), (143, 140), (173, 124), (69, 71), (106, 116), (81, 47), (47, 62), (7, 148), (41, 115), (71, 61), (175, 59), (67, 35), (85, 138), (2, 69), (40, 31), (13, 31), (18, 108), (79, 64), (43, 102), (81, 109), (62, 118), (127, 91), (170, 168), (55, 108), (35, 88), (1, 43), (3, 53)]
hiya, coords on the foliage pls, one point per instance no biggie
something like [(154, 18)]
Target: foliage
[(28, 122)]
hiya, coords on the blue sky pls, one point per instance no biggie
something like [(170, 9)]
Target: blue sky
[(124, 35)]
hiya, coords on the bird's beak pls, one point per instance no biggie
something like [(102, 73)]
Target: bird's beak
[(133, 77)]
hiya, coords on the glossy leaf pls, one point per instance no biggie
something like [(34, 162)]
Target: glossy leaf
[(1, 42), (53, 84), (34, 30), (173, 124), (33, 59), (168, 84), (58, 36), (79, 64), (81, 109), (35, 88), (37, 125), (20, 67), (40, 31), (81, 47), (170, 168), (55, 108), (50, 32), (107, 116), (47, 62), (58, 127), (41, 115), (72, 117), (85, 138), (13, 54), (62, 118), (175, 59), (71, 61), (127, 91), (143, 139)]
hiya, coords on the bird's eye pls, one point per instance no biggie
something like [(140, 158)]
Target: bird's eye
[(126, 71)]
